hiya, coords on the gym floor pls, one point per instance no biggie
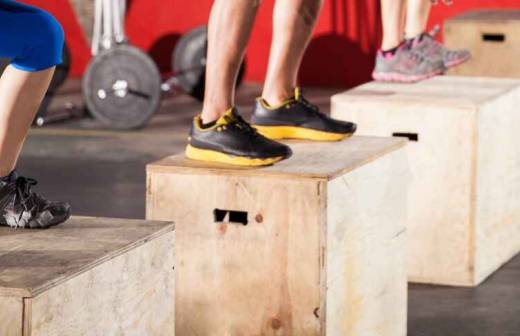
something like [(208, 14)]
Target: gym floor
[(102, 173)]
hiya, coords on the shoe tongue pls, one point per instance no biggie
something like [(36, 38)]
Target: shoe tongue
[(230, 115), (297, 93), (435, 30)]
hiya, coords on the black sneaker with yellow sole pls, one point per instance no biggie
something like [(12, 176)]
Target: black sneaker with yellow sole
[(232, 140), (296, 118)]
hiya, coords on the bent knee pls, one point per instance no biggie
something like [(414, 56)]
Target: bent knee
[(43, 42)]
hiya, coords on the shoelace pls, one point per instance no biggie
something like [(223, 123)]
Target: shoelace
[(315, 109), (236, 121), (23, 191), (308, 104), (415, 56)]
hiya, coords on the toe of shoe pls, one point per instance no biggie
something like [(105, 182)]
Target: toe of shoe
[(282, 150), (344, 127), (60, 212)]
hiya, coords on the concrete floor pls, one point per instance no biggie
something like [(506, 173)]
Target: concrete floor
[(102, 173)]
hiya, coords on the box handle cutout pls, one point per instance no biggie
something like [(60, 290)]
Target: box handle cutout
[(230, 216), (409, 136), (489, 37)]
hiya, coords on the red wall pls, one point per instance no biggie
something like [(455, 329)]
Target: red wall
[(340, 54)]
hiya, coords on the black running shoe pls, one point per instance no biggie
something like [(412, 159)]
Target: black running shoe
[(20, 207), (296, 118), (233, 141)]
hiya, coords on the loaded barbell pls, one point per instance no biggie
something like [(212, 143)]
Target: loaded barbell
[(122, 86)]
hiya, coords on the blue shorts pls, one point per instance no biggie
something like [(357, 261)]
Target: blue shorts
[(30, 37)]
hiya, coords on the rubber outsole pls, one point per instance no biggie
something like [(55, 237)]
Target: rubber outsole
[(44, 221), (300, 133), (400, 78), (208, 155)]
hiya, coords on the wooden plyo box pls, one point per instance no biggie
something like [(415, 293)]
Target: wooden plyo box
[(88, 276), (322, 252), (492, 36), (464, 198)]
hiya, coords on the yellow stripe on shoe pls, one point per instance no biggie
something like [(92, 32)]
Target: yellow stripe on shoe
[(301, 133), (208, 155)]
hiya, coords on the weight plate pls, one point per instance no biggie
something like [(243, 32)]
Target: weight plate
[(189, 62), (121, 87)]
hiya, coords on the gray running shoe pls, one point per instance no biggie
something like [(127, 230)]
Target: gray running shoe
[(20, 207), (404, 66), (435, 52)]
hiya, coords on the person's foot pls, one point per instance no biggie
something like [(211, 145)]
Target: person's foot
[(233, 141), (296, 118), (20, 207), (435, 52), (405, 65)]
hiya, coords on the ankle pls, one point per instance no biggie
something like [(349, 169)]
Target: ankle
[(211, 114), (414, 36), (277, 98), (6, 177), (391, 51), (390, 44)]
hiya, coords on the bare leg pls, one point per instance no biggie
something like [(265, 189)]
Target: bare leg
[(293, 23), (392, 12), (21, 93), (417, 13), (228, 32)]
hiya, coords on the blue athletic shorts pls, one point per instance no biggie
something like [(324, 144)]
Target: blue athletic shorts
[(29, 36)]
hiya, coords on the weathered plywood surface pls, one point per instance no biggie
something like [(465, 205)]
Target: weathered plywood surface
[(289, 271), (448, 165), (492, 36), (498, 185), (130, 294), (366, 238), (11, 316), (32, 261), (455, 92), (442, 173), (258, 279), (488, 15), (310, 159)]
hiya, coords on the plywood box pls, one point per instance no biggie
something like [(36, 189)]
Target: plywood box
[(88, 276), (311, 246), (464, 198), (492, 36)]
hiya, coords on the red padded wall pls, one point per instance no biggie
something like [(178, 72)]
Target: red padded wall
[(341, 52)]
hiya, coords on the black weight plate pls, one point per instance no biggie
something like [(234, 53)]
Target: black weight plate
[(189, 59), (62, 70), (189, 62), (128, 65)]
